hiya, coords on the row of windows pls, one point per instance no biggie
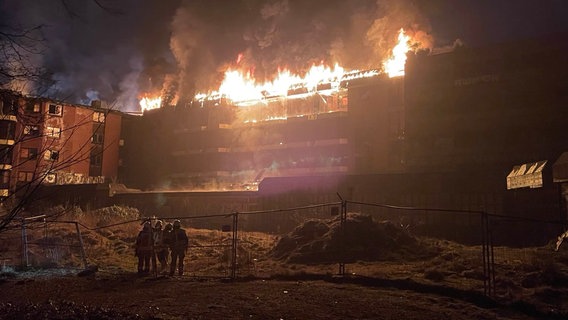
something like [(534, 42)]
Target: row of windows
[(54, 132), (57, 110), (32, 130), (32, 153)]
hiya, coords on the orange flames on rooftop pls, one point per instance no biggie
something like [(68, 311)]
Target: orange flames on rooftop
[(394, 66), (241, 87), (147, 103)]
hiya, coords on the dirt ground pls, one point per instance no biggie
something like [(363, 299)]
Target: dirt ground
[(129, 296), (390, 274)]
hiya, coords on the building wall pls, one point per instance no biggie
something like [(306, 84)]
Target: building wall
[(216, 145), (52, 143), (112, 137), (9, 102), (477, 112), (376, 125), (491, 106), (445, 136)]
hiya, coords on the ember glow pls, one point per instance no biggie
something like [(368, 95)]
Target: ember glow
[(147, 103)]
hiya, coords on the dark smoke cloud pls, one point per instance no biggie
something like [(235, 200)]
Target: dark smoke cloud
[(110, 51), (292, 34), (129, 47)]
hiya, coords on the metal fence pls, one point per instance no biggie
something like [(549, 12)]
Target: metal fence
[(342, 238), (36, 242)]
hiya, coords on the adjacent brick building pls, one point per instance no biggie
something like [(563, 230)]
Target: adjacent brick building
[(53, 143)]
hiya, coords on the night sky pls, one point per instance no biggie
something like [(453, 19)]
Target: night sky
[(117, 49)]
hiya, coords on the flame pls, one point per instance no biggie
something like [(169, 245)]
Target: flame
[(241, 88), (147, 103), (394, 66)]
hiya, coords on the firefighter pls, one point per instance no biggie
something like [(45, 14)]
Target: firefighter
[(167, 239), (143, 248), (178, 246), (160, 248)]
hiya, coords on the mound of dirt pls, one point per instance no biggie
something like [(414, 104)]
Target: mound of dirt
[(360, 239)]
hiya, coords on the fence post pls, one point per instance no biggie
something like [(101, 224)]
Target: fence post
[(83, 256), (488, 256), (25, 260), (234, 245), (343, 218)]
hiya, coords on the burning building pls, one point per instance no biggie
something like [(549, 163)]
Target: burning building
[(447, 134), (338, 127)]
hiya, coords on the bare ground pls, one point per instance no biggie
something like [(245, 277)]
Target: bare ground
[(393, 276), (129, 296)]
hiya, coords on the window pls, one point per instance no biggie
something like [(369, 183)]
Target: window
[(53, 132), (31, 130), (51, 155), (99, 117), (7, 130), (96, 159), (97, 138), (7, 106), (6, 155), (4, 177), (55, 109), (28, 153), (32, 106), (25, 176)]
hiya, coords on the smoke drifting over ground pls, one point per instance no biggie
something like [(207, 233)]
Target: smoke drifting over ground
[(117, 50)]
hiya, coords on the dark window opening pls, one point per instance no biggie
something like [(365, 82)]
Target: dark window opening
[(97, 138), (55, 109), (28, 153), (96, 160)]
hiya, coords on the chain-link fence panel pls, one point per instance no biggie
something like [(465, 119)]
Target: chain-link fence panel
[(528, 254)]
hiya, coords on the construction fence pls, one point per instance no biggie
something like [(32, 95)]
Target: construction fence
[(341, 238)]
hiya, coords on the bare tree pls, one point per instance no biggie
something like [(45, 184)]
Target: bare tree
[(23, 123), (39, 147), (19, 49)]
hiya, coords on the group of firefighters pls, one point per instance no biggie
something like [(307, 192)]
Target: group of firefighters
[(154, 244)]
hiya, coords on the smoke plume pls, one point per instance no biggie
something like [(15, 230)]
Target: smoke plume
[(270, 35)]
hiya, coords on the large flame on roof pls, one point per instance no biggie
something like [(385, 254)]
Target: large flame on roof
[(241, 87), (147, 103), (394, 66)]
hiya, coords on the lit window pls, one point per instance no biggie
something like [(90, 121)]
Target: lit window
[(53, 132), (99, 117), (51, 155), (32, 106)]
